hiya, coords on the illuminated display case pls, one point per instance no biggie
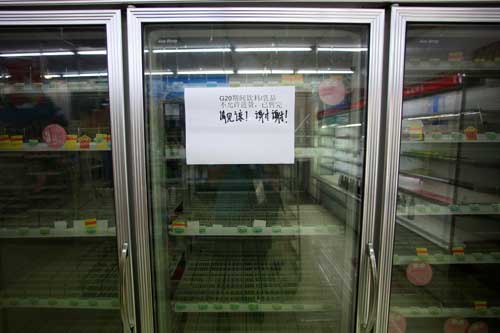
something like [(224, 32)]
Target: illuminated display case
[(258, 247), (63, 206), (445, 254)]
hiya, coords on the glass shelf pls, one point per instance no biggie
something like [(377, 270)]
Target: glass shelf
[(48, 232), (43, 147), (444, 312), (60, 303), (62, 275), (458, 138), (251, 307), (67, 87), (452, 66), (449, 259), (292, 322), (454, 209), (244, 231), (250, 283)]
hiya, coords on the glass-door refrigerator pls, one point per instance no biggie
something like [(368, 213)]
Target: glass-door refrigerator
[(441, 272), (64, 264), (255, 141)]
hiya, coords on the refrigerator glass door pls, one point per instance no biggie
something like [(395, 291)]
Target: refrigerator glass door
[(255, 138), (58, 255), (447, 233)]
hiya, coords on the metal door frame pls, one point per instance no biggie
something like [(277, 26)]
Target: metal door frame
[(112, 20), (135, 19), (163, 2), (400, 16)]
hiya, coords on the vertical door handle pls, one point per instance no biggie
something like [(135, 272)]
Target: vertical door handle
[(123, 265), (372, 260)]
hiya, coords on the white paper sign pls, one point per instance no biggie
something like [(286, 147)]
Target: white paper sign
[(250, 125)]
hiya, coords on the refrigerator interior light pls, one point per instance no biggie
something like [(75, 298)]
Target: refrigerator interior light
[(206, 72), (159, 73), (281, 71), (273, 49), (204, 50), (58, 53), (26, 54), (254, 71), (265, 71), (343, 49), (325, 71), (51, 76), (85, 74), (36, 54), (92, 52)]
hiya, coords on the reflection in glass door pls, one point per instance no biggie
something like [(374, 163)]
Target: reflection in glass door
[(59, 268), (258, 246), (445, 265)]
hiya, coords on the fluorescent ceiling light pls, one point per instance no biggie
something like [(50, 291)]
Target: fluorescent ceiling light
[(59, 53), (207, 50), (30, 54), (265, 71), (282, 71), (159, 73), (51, 76), (85, 74), (37, 54), (254, 71), (273, 49), (325, 71), (208, 72), (92, 52), (343, 49)]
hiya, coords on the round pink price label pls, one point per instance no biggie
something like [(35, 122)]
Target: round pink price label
[(332, 91), (397, 323), (456, 325), (54, 135), (419, 273)]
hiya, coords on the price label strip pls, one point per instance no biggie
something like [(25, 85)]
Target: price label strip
[(422, 251), (458, 251)]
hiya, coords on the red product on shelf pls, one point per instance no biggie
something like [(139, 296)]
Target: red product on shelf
[(419, 273), (397, 323), (456, 325), (471, 133), (434, 85), (478, 327)]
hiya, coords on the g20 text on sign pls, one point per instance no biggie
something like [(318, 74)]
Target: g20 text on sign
[(252, 125)]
